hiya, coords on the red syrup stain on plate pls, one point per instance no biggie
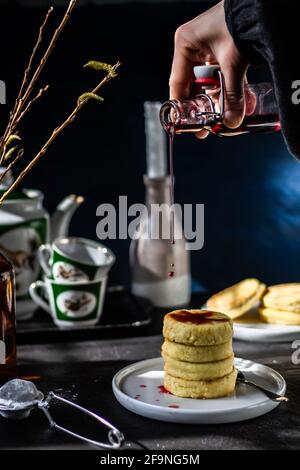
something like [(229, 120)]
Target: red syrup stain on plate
[(143, 386), (173, 406), (162, 389)]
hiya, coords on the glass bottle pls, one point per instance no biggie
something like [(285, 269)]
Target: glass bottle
[(160, 269), (7, 309), (205, 110), (7, 321)]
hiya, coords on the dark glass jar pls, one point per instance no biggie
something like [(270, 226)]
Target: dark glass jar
[(7, 321)]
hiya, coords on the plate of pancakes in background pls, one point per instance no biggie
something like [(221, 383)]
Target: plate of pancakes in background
[(260, 313), (195, 380)]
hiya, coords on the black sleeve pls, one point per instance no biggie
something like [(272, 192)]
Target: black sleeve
[(269, 31)]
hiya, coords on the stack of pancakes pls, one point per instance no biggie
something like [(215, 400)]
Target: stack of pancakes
[(281, 304), (197, 354)]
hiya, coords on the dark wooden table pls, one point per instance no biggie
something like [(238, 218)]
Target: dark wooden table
[(83, 372)]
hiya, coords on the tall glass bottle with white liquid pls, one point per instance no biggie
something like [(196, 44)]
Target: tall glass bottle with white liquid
[(160, 266)]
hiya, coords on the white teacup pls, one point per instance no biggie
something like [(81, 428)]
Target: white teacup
[(74, 259)]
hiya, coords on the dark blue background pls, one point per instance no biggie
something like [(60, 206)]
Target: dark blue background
[(250, 185)]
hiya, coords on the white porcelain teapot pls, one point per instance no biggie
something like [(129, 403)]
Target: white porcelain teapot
[(24, 226)]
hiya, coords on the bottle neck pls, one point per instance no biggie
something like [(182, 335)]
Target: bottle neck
[(157, 190)]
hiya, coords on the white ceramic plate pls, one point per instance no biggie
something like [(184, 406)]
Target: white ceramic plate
[(264, 332), (138, 388)]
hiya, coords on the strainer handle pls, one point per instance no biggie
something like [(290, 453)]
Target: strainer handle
[(115, 437)]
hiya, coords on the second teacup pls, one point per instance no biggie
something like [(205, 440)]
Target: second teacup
[(71, 305), (75, 259)]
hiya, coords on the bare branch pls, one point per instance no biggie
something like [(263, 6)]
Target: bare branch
[(57, 131), (27, 88), (25, 77), (12, 163), (48, 50), (33, 54), (30, 103)]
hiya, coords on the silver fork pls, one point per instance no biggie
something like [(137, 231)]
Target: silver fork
[(273, 396)]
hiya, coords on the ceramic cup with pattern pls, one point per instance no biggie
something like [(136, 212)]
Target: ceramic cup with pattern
[(73, 304), (74, 259)]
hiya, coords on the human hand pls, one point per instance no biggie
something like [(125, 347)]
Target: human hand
[(206, 39)]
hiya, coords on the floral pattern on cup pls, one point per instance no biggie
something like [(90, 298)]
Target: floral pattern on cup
[(63, 271), (74, 259), (76, 304)]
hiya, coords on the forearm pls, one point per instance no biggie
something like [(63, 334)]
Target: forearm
[(267, 30), (243, 18)]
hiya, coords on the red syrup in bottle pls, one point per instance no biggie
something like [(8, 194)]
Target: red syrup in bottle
[(262, 124)]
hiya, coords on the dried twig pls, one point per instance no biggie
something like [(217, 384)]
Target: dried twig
[(30, 103), (48, 51), (80, 103), (33, 54), (13, 114), (12, 163), (27, 88)]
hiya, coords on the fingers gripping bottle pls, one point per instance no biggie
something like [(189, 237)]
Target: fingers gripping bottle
[(205, 109)]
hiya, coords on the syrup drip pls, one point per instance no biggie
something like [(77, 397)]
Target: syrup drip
[(200, 318), (171, 273), (171, 166)]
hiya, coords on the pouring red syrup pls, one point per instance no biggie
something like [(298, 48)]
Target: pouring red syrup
[(171, 167)]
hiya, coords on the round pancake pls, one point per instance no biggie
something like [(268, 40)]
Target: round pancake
[(183, 352), (201, 388), (238, 299), (280, 317), (201, 371), (283, 297), (197, 327)]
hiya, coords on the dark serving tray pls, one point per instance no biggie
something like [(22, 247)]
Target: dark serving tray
[(123, 315)]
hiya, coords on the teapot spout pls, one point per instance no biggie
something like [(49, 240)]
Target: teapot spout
[(60, 220)]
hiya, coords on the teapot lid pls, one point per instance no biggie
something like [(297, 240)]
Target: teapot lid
[(17, 194)]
